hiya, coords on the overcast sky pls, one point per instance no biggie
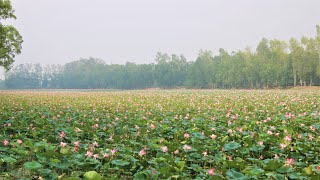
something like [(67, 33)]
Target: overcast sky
[(60, 31)]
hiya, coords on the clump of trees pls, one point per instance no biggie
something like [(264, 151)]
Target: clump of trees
[(274, 63)]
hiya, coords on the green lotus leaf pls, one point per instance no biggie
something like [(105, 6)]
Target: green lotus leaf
[(231, 146), (120, 162), (92, 175), (9, 160), (232, 174), (32, 165)]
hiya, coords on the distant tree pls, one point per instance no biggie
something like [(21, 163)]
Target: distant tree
[(2, 84), (310, 59), (170, 71), (201, 73), (10, 39), (52, 76), (317, 41), (83, 74), (274, 63), (281, 68), (24, 76)]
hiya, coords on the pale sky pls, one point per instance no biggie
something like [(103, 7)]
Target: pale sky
[(60, 31)]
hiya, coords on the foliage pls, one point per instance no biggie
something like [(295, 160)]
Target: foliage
[(10, 39), (274, 63), (185, 134)]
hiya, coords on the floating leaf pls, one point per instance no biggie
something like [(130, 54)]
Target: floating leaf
[(120, 162), (284, 169), (9, 160), (232, 174), (272, 164), (231, 146), (44, 171), (307, 170), (92, 175), (32, 165)]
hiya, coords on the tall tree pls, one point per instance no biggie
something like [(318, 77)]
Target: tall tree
[(10, 39), (317, 39)]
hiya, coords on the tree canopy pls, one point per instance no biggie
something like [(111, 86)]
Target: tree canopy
[(10, 39), (273, 63)]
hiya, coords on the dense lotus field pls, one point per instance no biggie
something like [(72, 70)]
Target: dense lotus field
[(160, 134)]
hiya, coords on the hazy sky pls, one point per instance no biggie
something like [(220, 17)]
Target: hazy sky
[(60, 31)]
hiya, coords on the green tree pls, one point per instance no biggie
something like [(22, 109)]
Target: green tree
[(10, 39), (281, 68), (310, 59), (317, 39), (24, 76), (201, 73)]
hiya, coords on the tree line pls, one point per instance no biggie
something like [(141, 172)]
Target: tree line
[(274, 63)]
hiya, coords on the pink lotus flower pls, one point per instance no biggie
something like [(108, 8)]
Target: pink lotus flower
[(89, 154), (186, 147), (176, 152), (211, 172), (261, 157), (142, 152), (95, 156), (299, 136), (269, 132), (152, 126), (276, 156), (19, 141), (290, 161), (312, 128), (62, 144), (260, 143), (62, 134), (205, 153), (252, 135), (77, 129), (164, 149), (75, 149), (113, 152), (213, 136), (95, 144), (6, 142), (186, 135), (283, 145), (288, 138), (230, 131), (154, 172), (76, 143), (95, 126), (105, 155), (310, 137)]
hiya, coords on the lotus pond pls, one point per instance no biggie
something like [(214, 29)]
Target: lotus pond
[(160, 134)]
